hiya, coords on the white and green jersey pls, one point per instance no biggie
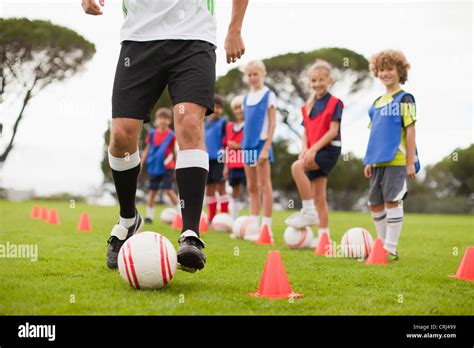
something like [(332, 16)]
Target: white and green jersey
[(148, 20)]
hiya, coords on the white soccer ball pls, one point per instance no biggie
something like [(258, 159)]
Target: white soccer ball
[(298, 238), (357, 243), (245, 228), (147, 261), (168, 215), (222, 222)]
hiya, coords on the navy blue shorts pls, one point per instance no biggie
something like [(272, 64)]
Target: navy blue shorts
[(216, 172), (236, 176), (326, 159), (164, 181)]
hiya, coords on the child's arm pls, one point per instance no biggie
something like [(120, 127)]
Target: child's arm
[(411, 151), (144, 156), (271, 131), (325, 140), (304, 141), (233, 145)]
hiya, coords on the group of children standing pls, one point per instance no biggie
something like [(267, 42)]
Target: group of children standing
[(241, 152)]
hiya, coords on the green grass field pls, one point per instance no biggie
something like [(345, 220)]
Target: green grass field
[(70, 277)]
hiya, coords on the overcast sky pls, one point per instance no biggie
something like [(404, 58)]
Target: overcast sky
[(59, 144)]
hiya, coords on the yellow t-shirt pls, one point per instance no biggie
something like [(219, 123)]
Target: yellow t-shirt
[(408, 111)]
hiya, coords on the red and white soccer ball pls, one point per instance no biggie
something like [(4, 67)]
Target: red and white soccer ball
[(168, 215), (245, 228), (222, 222), (147, 261), (298, 238), (357, 243)]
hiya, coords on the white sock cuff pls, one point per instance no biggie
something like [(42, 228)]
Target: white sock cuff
[(395, 212), (308, 203), (211, 199), (192, 158), (224, 198), (267, 220), (378, 214), (122, 164)]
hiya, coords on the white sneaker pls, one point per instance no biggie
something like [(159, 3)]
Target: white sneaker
[(302, 219)]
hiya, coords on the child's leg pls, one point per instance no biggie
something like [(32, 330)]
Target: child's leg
[(379, 216), (236, 201), (301, 179), (150, 209), (224, 197), (211, 200), (308, 215), (172, 195), (265, 187), (394, 225), (252, 189), (319, 191)]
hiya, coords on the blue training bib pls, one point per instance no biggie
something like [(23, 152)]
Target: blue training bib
[(156, 155), (385, 134), (254, 119)]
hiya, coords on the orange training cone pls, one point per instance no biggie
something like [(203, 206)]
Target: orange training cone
[(203, 226), (378, 255), (177, 223), (264, 237), (324, 245), (44, 213), (84, 223), (53, 218), (466, 267), (35, 213), (274, 282)]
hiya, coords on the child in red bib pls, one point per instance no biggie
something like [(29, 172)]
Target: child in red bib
[(234, 170), (321, 149)]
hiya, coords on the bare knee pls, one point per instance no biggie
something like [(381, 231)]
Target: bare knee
[(376, 208), (252, 188), (297, 167), (124, 136), (189, 126)]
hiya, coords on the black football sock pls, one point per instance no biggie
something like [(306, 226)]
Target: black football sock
[(191, 176), (125, 174)]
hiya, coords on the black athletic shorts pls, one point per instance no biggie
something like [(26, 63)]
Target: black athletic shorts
[(216, 172), (326, 159), (164, 181), (144, 69), (236, 176)]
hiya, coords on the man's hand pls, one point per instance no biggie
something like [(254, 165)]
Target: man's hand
[(411, 170), (234, 46), (91, 7), (368, 171)]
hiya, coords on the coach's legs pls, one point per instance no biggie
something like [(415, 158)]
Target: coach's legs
[(124, 160), (192, 164)]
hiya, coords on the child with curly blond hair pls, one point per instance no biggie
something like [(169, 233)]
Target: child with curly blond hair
[(391, 154)]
